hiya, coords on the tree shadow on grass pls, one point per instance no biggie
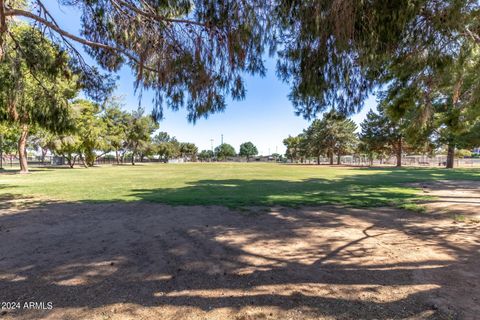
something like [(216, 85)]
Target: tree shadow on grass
[(237, 192), (374, 187), (365, 187)]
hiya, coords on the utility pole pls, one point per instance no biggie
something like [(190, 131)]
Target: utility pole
[(222, 138)]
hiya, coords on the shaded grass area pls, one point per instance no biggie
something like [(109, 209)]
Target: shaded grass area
[(232, 184)]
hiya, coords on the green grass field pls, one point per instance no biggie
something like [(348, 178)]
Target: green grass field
[(230, 184)]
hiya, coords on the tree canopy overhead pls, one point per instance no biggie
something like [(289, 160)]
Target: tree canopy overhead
[(335, 52), (191, 53)]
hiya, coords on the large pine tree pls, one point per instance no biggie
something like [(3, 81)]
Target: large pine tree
[(36, 94), (334, 134)]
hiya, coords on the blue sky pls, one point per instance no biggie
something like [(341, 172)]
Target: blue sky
[(265, 117)]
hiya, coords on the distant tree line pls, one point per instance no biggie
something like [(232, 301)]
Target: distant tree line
[(225, 151), (106, 130), (382, 136), (97, 130)]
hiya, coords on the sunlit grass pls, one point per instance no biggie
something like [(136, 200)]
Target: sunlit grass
[(231, 184)]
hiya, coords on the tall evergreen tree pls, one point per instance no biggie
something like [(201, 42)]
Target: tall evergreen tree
[(34, 95), (381, 136), (333, 135), (436, 94)]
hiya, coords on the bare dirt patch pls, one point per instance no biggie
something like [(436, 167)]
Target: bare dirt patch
[(151, 261), (453, 197)]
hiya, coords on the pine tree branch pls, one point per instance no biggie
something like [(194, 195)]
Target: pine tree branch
[(158, 17), (3, 22), (474, 36), (54, 26)]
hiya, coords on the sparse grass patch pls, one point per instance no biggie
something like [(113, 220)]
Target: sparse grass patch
[(459, 218), (415, 207)]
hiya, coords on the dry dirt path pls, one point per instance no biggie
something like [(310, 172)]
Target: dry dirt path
[(151, 261), (461, 198)]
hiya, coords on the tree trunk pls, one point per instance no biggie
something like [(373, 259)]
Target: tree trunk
[(82, 158), (399, 153), (450, 156), (70, 160), (22, 152), (117, 156), (318, 160), (133, 156), (331, 158), (44, 153), (339, 160), (70, 163), (96, 158)]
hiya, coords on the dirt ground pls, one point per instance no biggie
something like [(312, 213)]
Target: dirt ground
[(461, 198), (151, 261)]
